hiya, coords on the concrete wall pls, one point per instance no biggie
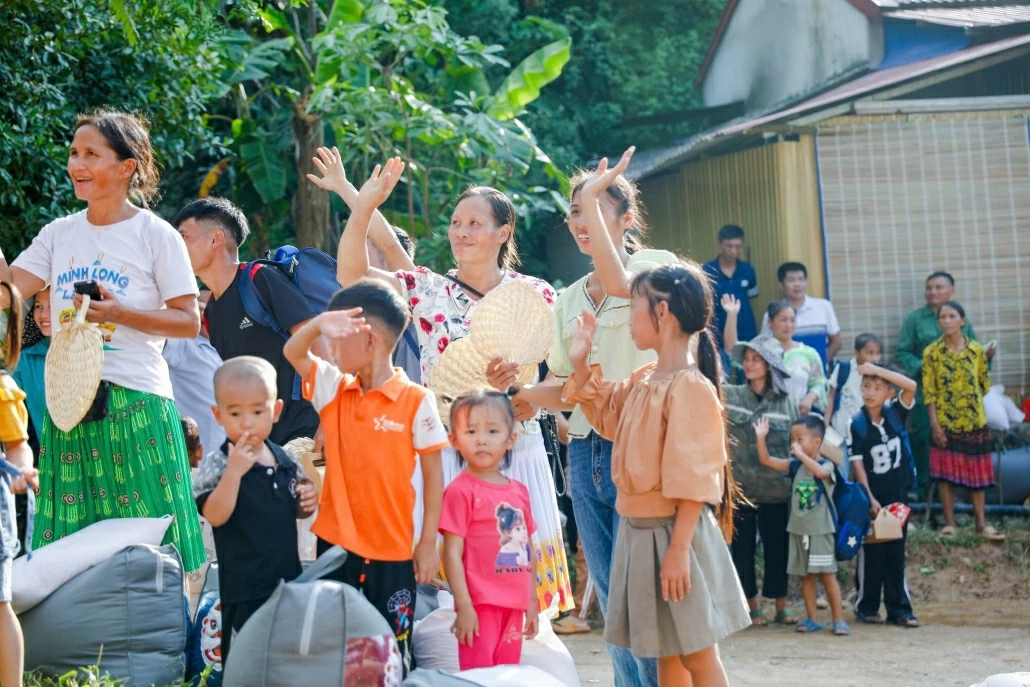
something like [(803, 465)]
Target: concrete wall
[(775, 49)]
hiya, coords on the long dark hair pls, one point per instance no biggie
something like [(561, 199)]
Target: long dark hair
[(10, 348), (503, 211), (627, 199), (129, 137), (688, 293)]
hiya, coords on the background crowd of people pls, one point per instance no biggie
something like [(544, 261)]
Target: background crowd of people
[(172, 349)]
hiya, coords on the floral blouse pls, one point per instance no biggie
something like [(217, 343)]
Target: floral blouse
[(442, 311), (955, 383)]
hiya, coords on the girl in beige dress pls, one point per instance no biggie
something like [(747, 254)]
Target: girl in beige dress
[(674, 593)]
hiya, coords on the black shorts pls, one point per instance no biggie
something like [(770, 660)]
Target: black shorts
[(389, 586), (234, 615)]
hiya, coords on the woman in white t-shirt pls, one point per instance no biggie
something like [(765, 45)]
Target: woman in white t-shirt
[(132, 461)]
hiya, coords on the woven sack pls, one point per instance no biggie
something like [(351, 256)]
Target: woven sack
[(72, 372), (513, 322)]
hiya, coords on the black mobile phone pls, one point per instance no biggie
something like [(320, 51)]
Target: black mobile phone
[(88, 288)]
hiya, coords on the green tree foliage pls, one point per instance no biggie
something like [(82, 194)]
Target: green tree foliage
[(631, 59), (61, 58), (378, 79)]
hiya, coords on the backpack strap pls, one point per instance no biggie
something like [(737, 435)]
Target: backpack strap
[(411, 340), (893, 418), (253, 303)]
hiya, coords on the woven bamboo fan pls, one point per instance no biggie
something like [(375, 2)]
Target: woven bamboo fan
[(72, 373), (513, 322), (461, 369)]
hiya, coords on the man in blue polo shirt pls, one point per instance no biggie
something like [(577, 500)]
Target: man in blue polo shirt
[(731, 275)]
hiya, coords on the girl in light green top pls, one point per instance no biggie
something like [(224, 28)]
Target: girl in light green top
[(606, 221)]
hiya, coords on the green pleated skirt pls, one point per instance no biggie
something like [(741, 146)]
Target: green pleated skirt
[(131, 464)]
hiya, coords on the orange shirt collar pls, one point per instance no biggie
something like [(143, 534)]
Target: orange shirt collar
[(391, 388)]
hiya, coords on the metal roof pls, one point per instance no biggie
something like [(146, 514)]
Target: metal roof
[(965, 17), (652, 161)]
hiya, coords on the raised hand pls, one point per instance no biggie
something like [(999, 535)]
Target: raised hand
[(339, 324), (761, 427), (579, 347), (330, 164), (868, 369), (380, 184), (603, 177), (730, 304)]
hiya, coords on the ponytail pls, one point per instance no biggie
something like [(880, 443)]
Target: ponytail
[(708, 362), (10, 349)]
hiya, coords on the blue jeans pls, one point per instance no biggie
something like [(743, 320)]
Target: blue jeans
[(593, 501)]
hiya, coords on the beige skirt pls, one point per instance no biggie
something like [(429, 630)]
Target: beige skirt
[(640, 620)]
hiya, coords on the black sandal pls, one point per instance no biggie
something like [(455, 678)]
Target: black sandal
[(909, 621)]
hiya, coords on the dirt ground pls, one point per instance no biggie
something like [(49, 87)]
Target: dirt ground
[(936, 655), (972, 598)]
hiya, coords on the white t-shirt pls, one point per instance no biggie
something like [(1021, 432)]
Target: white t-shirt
[(142, 261), (849, 399)]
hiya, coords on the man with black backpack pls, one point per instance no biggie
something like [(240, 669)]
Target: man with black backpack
[(214, 229)]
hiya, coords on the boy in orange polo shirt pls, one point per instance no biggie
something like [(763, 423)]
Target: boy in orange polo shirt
[(375, 421)]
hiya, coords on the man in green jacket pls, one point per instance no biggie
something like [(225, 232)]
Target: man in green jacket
[(919, 331)]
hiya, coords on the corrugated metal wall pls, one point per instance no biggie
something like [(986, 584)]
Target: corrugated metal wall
[(904, 196), (770, 191)]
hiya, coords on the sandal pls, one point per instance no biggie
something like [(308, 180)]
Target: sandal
[(904, 621), (991, 534), (786, 617), (841, 629), (870, 619), (948, 531), (758, 617), (571, 625), (808, 625)]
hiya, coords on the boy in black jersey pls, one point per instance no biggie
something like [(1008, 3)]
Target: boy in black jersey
[(881, 461)]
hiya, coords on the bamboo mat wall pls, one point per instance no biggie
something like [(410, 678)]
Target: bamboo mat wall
[(902, 198)]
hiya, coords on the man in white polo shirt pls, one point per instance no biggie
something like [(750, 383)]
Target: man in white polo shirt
[(817, 324)]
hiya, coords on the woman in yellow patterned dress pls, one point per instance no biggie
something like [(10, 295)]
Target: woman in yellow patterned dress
[(955, 380)]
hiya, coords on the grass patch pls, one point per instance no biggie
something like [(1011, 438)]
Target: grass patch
[(93, 677)]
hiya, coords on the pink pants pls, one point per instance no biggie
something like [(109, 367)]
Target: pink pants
[(499, 641)]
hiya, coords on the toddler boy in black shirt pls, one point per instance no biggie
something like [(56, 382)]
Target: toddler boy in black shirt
[(881, 461), (252, 493)]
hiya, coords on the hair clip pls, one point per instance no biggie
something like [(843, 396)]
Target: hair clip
[(676, 281)]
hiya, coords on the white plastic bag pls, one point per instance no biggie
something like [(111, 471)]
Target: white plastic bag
[(435, 647), (994, 407), (512, 676), (1006, 680)]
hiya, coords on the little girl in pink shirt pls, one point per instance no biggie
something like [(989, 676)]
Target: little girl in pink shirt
[(487, 524)]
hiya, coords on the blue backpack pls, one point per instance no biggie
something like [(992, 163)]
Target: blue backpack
[(843, 372), (312, 271), (849, 507)]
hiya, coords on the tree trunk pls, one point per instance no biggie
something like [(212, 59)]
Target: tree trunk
[(310, 203)]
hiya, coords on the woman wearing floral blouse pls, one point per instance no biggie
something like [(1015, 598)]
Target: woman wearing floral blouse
[(482, 236), (954, 383)]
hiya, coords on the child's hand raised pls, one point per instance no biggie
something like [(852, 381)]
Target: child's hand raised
[(579, 347), (330, 164), (380, 184), (339, 324), (603, 177), (868, 370), (730, 304), (761, 427), (241, 456), (466, 626)]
